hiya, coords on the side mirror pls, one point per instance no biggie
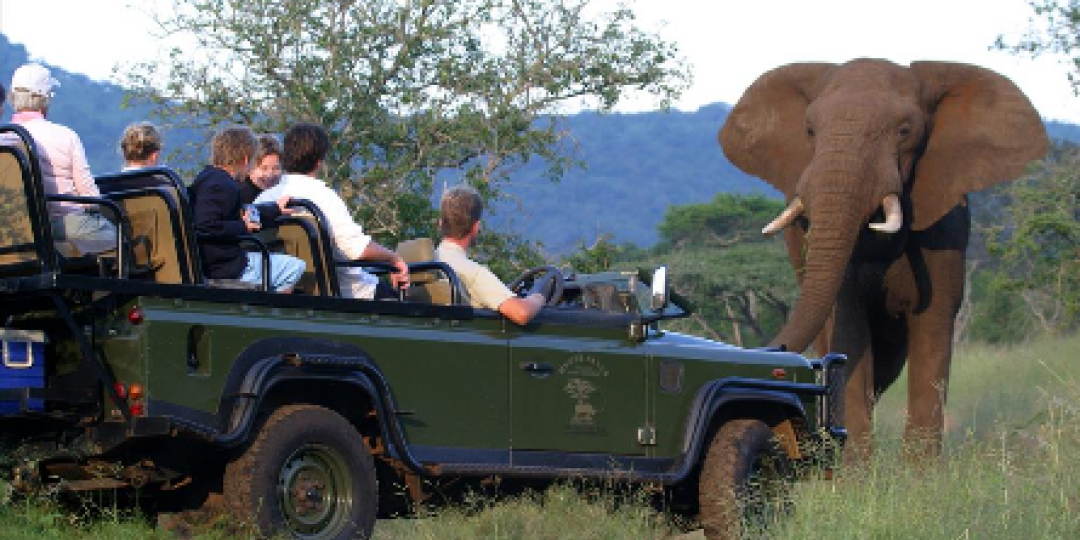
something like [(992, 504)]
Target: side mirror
[(659, 289)]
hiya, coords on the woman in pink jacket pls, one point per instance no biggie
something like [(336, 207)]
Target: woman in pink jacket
[(62, 159)]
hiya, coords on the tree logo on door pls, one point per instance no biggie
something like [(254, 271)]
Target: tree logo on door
[(584, 412)]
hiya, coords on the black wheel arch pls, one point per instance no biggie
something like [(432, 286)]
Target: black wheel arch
[(279, 371), (772, 402)]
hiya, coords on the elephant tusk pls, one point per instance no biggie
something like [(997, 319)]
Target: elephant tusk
[(785, 218), (894, 217)]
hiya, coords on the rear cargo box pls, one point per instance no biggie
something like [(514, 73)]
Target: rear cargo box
[(22, 371)]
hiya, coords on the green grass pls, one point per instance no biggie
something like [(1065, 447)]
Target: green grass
[(561, 512), (997, 387), (1011, 469)]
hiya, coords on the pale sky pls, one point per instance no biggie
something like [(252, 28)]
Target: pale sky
[(728, 43)]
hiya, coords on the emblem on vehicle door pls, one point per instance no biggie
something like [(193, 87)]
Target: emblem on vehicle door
[(584, 412), (584, 375)]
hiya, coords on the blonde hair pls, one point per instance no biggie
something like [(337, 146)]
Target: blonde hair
[(459, 210), (25, 100), (232, 145), (139, 141)]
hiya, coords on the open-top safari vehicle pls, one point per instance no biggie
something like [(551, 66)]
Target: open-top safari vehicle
[(130, 370)]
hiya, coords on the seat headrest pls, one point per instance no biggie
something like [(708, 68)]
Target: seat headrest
[(416, 250)]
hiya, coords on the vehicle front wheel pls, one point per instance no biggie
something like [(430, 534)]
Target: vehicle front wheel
[(307, 474), (745, 481)]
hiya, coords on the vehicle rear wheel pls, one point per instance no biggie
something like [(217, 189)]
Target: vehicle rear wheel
[(745, 481), (307, 475)]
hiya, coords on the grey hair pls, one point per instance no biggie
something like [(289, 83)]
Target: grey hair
[(25, 100)]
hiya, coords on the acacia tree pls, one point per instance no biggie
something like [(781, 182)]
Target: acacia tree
[(408, 89), (740, 281)]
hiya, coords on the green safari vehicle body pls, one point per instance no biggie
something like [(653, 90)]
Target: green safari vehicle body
[(160, 386)]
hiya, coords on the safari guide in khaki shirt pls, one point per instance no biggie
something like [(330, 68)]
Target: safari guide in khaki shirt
[(459, 221)]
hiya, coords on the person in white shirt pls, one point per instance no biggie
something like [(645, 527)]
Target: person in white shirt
[(63, 164), (303, 152), (459, 222), (140, 146)]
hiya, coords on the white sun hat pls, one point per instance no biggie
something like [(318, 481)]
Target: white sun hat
[(35, 78)]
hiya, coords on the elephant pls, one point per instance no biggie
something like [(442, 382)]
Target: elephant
[(875, 161)]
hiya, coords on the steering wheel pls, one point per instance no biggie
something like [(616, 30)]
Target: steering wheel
[(545, 280)]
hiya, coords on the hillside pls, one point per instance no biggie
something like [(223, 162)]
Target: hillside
[(89, 107), (637, 165)]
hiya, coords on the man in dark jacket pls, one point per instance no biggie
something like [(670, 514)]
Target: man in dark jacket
[(220, 218)]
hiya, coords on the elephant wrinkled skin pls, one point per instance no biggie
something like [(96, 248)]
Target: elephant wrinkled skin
[(882, 286)]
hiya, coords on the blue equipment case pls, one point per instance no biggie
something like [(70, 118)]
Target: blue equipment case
[(22, 371)]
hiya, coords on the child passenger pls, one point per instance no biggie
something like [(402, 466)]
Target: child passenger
[(265, 169), (221, 220)]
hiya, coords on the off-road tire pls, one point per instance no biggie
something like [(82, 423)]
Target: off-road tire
[(745, 481), (307, 475)]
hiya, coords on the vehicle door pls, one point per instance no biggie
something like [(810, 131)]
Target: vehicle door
[(577, 385)]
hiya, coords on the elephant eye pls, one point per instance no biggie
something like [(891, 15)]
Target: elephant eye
[(810, 131), (905, 130)]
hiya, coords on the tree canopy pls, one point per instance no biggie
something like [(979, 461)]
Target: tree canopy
[(408, 90), (740, 281), (1037, 239)]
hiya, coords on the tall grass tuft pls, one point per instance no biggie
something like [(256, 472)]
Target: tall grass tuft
[(561, 512), (1011, 466)]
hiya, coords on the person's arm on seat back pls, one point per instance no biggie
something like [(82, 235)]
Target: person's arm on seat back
[(375, 252), (521, 310)]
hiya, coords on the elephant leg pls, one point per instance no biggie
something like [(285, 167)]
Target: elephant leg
[(850, 334), (939, 273), (931, 347)]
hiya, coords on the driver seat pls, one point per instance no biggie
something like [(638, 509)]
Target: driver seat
[(427, 286)]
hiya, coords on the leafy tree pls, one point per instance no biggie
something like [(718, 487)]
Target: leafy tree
[(603, 255), (728, 219), (408, 90), (741, 281), (743, 292), (1038, 239)]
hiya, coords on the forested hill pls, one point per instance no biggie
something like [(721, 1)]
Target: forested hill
[(637, 165)]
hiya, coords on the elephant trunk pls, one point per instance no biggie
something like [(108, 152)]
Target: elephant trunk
[(835, 225)]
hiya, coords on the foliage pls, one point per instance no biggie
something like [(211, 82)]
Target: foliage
[(603, 255), (408, 89), (1057, 31), (726, 220), (1036, 240), (743, 292), (740, 281), (999, 313)]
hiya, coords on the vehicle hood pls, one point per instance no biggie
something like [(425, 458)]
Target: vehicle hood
[(676, 345)]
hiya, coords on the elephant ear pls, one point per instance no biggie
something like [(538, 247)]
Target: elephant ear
[(765, 134), (983, 130)]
